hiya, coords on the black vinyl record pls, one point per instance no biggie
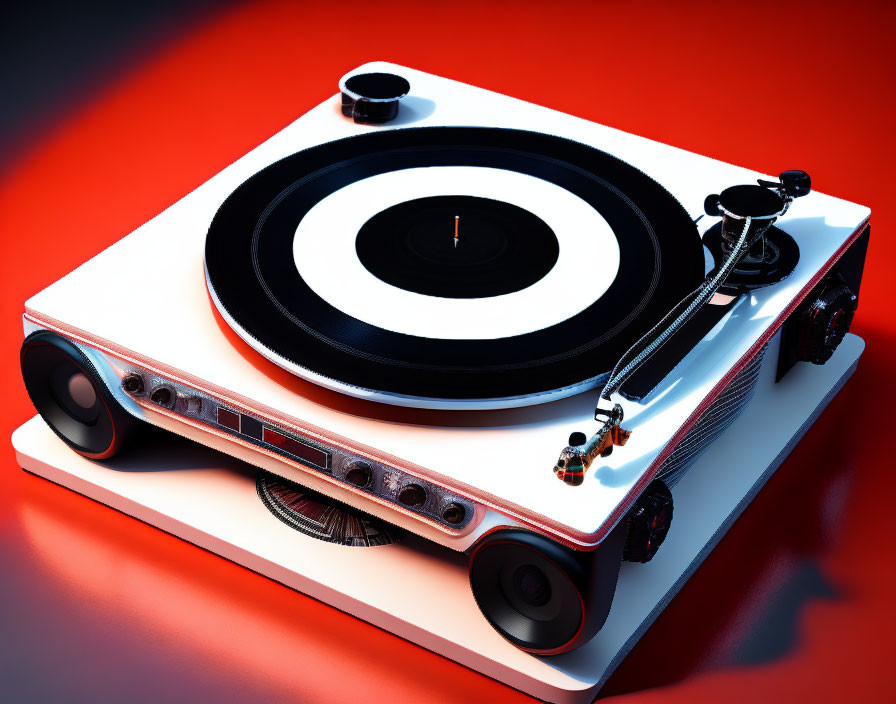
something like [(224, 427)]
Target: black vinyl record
[(253, 276)]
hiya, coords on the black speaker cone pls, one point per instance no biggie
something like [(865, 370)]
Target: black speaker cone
[(72, 397), (74, 392), (528, 597), (531, 586), (542, 596)]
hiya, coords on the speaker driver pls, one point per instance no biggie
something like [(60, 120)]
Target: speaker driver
[(531, 599), (541, 596), (70, 396)]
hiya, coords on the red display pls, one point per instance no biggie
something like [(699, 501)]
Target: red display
[(229, 419), (304, 452)]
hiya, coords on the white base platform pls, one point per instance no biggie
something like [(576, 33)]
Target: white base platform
[(419, 590)]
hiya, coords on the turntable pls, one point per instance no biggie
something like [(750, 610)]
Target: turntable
[(427, 308)]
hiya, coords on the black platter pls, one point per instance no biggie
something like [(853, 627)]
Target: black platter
[(252, 273)]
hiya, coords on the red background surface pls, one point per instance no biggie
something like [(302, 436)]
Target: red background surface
[(795, 603)]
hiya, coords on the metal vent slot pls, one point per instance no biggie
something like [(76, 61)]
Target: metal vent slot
[(715, 419)]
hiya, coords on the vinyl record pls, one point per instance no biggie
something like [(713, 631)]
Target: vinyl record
[(320, 516), (453, 267)]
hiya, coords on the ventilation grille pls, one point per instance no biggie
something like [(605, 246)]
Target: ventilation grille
[(715, 419)]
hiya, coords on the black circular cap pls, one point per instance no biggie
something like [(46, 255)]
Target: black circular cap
[(711, 205), (500, 248), (530, 585), (577, 438), (412, 495), (358, 473), (751, 201), (377, 86), (796, 183)]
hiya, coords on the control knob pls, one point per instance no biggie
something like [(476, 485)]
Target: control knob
[(649, 523), (825, 321)]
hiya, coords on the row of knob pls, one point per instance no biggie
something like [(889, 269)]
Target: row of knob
[(360, 474)]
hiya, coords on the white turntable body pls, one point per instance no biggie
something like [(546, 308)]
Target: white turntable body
[(421, 591), (144, 302)]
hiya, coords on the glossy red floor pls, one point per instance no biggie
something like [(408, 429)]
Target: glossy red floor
[(797, 601)]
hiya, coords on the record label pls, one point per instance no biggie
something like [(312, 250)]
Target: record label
[(585, 265)]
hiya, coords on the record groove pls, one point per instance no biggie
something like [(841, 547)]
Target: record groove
[(253, 277)]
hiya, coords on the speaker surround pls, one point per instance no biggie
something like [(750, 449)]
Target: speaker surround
[(72, 398), (543, 597)]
